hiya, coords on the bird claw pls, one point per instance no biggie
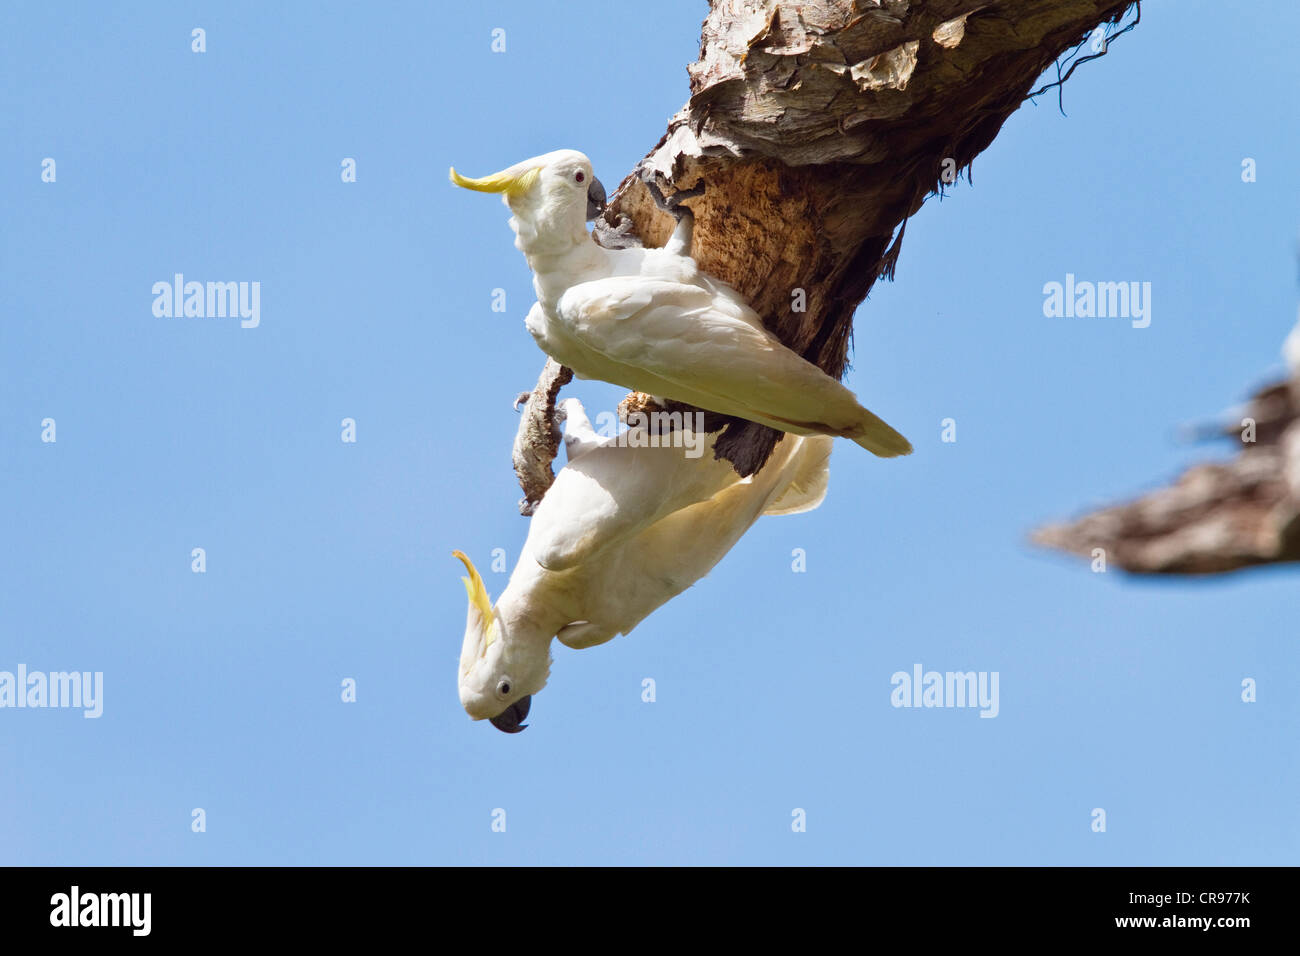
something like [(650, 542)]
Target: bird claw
[(620, 236), (673, 204), (521, 398)]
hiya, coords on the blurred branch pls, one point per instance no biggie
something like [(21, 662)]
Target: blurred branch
[(1216, 517)]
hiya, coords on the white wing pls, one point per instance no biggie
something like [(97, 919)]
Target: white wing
[(663, 559), (706, 347), (610, 492)]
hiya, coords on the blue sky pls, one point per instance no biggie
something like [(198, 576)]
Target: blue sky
[(328, 560)]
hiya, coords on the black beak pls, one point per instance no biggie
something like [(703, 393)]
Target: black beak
[(509, 719), (595, 199)]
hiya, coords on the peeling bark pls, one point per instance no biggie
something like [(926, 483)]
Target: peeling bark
[(817, 128), (538, 439)]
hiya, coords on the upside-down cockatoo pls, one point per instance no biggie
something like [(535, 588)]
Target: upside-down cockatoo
[(624, 528), (650, 320)]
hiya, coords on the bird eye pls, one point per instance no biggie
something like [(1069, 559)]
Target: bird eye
[(503, 688), (579, 176)]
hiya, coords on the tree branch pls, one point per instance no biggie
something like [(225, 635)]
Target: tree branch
[(538, 439), (818, 127)]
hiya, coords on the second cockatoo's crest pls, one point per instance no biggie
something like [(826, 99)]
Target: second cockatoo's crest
[(503, 660), (480, 605)]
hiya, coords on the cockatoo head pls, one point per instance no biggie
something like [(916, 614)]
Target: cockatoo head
[(554, 192), (499, 672)]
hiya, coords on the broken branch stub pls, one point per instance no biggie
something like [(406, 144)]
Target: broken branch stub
[(538, 439)]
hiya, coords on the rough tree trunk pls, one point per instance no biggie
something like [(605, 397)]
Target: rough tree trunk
[(817, 127)]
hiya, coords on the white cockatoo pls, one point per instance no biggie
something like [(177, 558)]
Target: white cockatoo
[(623, 529), (650, 320)]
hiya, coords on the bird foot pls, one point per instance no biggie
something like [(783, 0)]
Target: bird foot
[(522, 397), (673, 204), (620, 236)]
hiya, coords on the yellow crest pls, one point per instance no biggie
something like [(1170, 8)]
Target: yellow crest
[(510, 181), (478, 598)]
